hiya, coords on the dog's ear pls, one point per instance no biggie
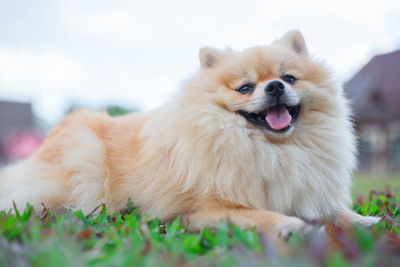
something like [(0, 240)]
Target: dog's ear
[(209, 57), (295, 40)]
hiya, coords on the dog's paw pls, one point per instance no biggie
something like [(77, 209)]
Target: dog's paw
[(291, 225), (366, 221), (350, 218)]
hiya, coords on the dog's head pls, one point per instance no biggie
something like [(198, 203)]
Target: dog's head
[(272, 87)]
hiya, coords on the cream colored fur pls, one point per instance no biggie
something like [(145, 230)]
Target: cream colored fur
[(198, 158)]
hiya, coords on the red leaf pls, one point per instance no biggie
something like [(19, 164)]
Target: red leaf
[(360, 199), (85, 233), (146, 248)]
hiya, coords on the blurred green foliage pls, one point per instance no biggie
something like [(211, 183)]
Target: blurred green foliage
[(118, 111)]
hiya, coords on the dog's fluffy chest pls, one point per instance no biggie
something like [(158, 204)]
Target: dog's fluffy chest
[(293, 179)]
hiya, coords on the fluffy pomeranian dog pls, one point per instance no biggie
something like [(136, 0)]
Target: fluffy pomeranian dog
[(261, 138)]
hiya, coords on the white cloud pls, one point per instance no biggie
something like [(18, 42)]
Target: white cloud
[(43, 77), (24, 70)]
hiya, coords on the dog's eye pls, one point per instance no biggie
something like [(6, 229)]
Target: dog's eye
[(246, 88), (289, 78)]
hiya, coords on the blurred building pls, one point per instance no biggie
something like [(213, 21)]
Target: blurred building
[(375, 95), (19, 134)]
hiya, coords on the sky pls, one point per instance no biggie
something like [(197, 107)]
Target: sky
[(95, 53)]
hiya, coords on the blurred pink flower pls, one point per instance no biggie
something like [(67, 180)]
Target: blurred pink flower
[(19, 145)]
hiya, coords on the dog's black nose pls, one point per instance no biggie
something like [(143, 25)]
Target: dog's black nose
[(275, 88)]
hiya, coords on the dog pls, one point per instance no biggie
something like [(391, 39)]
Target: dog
[(261, 138)]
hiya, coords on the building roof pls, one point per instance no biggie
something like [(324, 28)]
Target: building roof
[(15, 115), (375, 90)]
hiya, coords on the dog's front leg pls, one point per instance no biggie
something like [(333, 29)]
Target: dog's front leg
[(267, 221), (350, 217)]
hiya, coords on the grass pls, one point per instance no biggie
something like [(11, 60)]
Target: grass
[(66, 238), (363, 183)]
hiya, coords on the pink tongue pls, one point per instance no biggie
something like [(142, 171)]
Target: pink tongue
[(278, 117)]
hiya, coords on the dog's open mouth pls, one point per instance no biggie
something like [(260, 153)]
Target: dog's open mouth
[(278, 119)]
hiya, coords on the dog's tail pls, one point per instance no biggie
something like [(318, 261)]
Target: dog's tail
[(28, 182)]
